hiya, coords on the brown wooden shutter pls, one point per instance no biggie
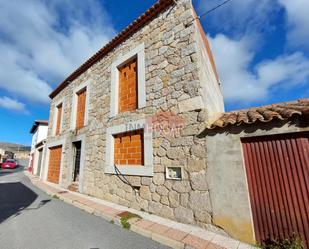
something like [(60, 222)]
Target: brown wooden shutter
[(128, 87), (278, 178), (54, 164), (81, 107), (58, 123)]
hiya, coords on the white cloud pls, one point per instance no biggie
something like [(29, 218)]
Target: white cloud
[(12, 104), (298, 22), (41, 42), (238, 16), (244, 82)]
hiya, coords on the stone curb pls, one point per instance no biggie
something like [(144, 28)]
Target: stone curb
[(144, 227)]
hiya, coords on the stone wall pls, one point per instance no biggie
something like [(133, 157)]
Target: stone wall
[(173, 85), (226, 174)]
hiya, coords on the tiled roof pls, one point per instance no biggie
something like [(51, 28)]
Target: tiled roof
[(281, 111), (36, 123), (41, 121), (150, 14)]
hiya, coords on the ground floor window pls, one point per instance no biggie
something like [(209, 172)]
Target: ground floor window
[(129, 147)]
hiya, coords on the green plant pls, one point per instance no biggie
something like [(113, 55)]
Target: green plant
[(112, 221), (55, 196), (293, 242), (125, 217)]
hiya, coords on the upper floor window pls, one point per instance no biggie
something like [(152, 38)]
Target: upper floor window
[(127, 98), (128, 91), (80, 106), (58, 122)]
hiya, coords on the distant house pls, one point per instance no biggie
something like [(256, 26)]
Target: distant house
[(5, 154), (128, 126), (14, 151), (39, 133)]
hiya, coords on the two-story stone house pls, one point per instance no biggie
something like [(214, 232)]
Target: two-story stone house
[(123, 127)]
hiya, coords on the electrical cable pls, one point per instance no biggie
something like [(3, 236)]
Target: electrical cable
[(123, 178), (213, 9)]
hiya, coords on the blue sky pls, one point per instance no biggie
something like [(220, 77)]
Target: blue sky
[(261, 50)]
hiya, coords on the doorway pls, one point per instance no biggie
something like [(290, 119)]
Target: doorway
[(38, 172), (76, 165)]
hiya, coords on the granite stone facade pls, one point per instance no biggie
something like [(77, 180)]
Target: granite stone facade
[(179, 82)]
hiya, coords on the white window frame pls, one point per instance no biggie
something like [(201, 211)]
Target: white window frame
[(76, 90), (46, 166), (139, 53), (140, 170), (59, 102)]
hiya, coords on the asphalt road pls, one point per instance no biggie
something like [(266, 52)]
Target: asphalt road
[(30, 219)]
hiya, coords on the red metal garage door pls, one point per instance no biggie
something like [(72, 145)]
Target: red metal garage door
[(278, 178)]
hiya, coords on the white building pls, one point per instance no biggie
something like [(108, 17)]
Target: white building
[(39, 134)]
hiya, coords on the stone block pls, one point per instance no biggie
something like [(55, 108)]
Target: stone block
[(191, 104), (174, 198), (199, 201), (182, 186), (158, 179), (145, 192), (198, 181), (184, 215), (161, 190)]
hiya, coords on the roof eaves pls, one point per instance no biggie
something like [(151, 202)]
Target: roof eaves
[(153, 11)]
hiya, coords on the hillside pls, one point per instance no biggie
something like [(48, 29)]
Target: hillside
[(14, 147)]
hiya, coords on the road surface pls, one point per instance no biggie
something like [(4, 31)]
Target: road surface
[(31, 219)]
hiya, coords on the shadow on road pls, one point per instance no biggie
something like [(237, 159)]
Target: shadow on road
[(16, 197)]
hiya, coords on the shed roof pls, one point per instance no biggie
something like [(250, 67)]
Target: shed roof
[(267, 113)]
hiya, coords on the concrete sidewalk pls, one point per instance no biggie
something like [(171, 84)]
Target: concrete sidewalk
[(167, 232)]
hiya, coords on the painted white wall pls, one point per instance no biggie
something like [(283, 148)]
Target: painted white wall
[(211, 91), (39, 135), (42, 133)]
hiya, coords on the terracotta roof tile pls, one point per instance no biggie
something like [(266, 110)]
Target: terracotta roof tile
[(281, 111)]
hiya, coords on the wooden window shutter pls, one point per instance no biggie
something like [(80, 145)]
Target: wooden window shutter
[(127, 100), (81, 108), (58, 123)]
